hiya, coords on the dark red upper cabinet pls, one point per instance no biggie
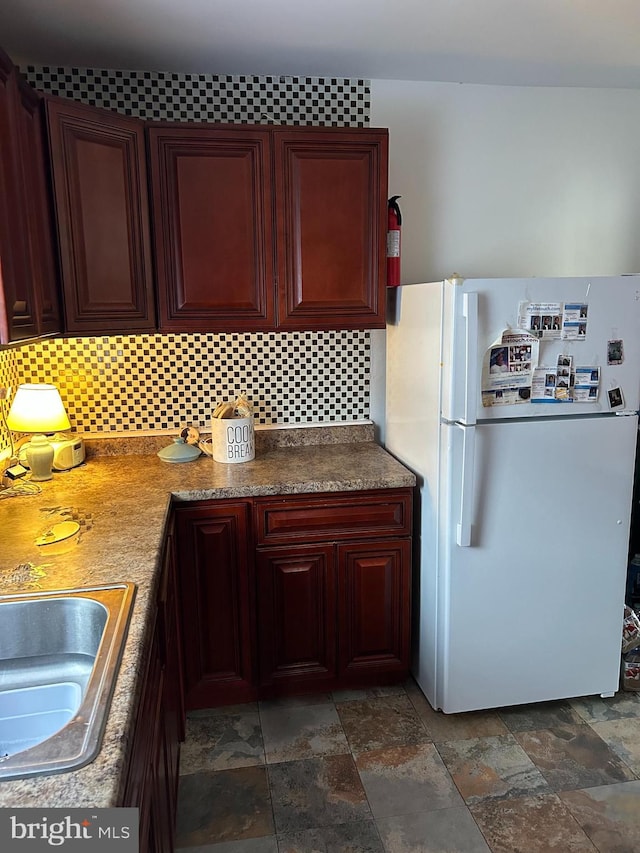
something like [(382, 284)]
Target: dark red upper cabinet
[(260, 228), (40, 235), (18, 310), (331, 189), (211, 195), (100, 188)]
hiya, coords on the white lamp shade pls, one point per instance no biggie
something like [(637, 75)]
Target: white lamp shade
[(37, 408)]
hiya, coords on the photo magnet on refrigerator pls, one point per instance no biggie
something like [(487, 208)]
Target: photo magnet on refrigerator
[(616, 400), (615, 352)]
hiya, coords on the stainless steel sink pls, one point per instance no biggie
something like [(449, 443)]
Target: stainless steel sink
[(59, 658)]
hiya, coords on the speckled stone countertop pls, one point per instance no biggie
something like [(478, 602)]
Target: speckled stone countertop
[(121, 503)]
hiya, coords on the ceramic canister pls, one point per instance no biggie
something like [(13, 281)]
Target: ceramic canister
[(232, 439)]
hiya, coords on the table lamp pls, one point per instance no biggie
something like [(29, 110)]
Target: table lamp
[(38, 408)]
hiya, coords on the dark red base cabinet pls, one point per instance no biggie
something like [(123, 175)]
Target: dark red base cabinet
[(297, 614), (294, 594), (216, 593), (152, 774), (373, 607)]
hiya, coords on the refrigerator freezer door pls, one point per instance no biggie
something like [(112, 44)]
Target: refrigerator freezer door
[(613, 306), (532, 610)]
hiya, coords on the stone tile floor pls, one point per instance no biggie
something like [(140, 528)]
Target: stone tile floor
[(379, 771)]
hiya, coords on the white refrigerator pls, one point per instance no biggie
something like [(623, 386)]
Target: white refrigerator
[(515, 402)]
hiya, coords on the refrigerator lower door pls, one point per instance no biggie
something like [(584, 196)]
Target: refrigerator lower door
[(531, 609)]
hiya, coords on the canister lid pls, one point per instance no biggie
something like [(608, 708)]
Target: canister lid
[(179, 451)]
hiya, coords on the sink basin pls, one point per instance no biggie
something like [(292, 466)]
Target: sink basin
[(59, 658)]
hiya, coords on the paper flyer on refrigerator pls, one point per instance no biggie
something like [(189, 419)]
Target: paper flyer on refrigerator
[(508, 367)]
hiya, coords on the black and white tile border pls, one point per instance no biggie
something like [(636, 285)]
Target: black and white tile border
[(158, 382), (244, 99)]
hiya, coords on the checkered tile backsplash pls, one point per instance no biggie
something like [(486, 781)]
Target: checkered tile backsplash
[(164, 96), (158, 382)]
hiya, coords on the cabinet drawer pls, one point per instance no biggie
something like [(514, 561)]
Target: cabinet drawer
[(328, 516)]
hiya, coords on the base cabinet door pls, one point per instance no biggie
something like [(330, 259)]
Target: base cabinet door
[(296, 614), (374, 607), (217, 603), (141, 788), (152, 777), (164, 802), (173, 715)]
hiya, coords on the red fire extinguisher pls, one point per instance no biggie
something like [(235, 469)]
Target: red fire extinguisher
[(393, 242)]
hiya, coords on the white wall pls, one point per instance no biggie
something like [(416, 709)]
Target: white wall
[(511, 181), (502, 181)]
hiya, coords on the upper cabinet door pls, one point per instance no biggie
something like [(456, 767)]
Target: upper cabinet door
[(18, 313), (331, 188), (211, 195), (40, 234), (100, 188)]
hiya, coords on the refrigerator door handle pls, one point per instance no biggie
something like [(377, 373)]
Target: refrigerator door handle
[(463, 531), (470, 313)]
